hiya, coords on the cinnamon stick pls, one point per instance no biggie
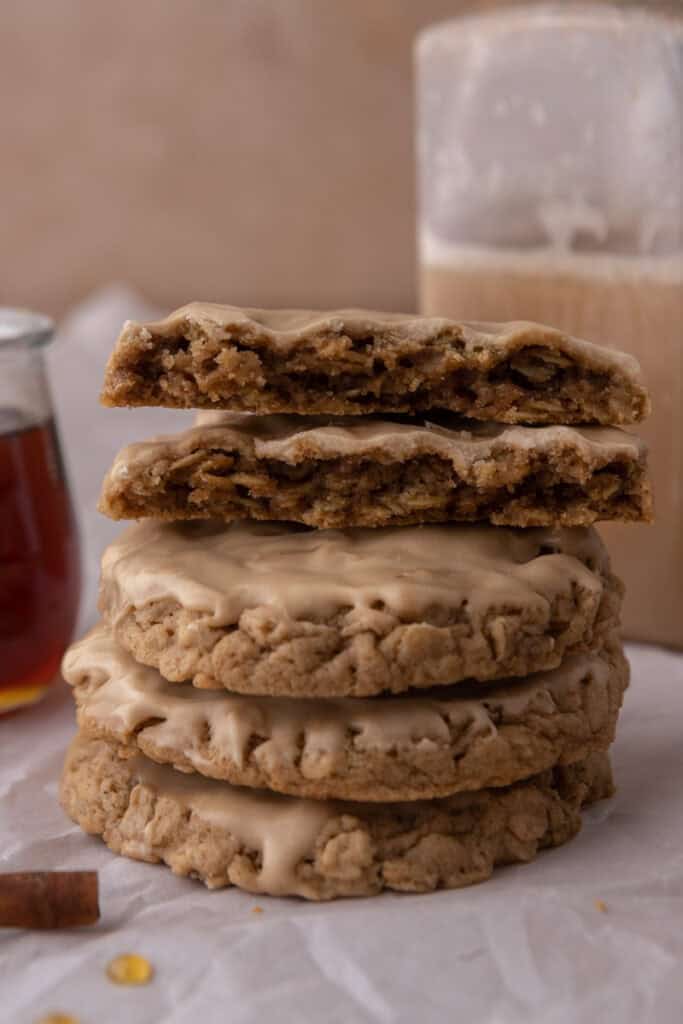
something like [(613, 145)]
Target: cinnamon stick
[(48, 899)]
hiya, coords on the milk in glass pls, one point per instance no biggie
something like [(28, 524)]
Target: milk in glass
[(551, 169)]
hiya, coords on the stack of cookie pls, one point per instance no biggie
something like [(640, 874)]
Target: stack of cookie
[(364, 634)]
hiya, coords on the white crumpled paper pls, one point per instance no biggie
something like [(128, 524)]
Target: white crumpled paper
[(528, 947)]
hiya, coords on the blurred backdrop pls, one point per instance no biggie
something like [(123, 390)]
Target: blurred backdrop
[(252, 151)]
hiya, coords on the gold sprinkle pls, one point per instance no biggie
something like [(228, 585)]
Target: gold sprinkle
[(257, 910), (58, 1018), (601, 906), (130, 969)]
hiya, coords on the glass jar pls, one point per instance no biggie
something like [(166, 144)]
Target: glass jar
[(39, 563), (550, 163)]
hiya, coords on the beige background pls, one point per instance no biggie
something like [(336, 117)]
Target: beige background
[(253, 151)]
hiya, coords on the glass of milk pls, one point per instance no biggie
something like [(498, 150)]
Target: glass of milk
[(550, 168)]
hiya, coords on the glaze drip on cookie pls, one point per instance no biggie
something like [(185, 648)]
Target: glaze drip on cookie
[(225, 570), (381, 748), (281, 830), (320, 849)]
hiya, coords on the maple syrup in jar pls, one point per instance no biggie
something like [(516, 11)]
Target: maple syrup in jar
[(39, 563)]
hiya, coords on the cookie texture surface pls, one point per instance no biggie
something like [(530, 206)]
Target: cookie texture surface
[(269, 843), (381, 472), (283, 610), (357, 362), (385, 748)]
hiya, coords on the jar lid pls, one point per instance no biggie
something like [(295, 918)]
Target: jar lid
[(22, 327)]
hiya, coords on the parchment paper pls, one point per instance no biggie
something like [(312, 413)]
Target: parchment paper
[(528, 947)]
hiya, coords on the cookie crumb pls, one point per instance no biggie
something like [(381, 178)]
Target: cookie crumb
[(130, 969), (601, 906), (257, 910)]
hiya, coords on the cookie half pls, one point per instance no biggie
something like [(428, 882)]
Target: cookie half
[(382, 748), (357, 362), (318, 849), (281, 610), (381, 472)]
